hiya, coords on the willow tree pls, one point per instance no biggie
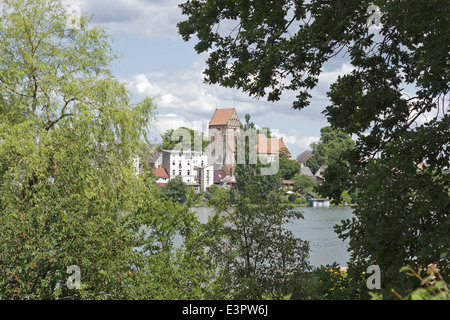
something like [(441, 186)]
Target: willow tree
[(69, 192), (400, 74)]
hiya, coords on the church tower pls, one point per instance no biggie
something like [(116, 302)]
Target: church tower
[(223, 129)]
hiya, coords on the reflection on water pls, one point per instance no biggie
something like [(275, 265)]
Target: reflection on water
[(317, 227)]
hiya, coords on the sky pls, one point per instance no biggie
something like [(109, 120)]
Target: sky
[(156, 62)]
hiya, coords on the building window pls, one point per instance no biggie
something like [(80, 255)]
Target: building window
[(179, 173), (189, 172), (173, 172), (202, 163), (173, 162)]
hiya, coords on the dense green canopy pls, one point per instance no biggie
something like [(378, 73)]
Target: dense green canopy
[(394, 101)]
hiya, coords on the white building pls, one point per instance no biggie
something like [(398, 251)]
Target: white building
[(205, 177), (184, 163), (161, 175)]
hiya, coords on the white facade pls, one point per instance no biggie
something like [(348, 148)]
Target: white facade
[(205, 177), (184, 163)]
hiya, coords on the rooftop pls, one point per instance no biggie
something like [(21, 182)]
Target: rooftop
[(219, 175), (160, 173), (270, 145), (305, 155), (221, 117)]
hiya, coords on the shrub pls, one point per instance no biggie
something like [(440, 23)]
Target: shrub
[(301, 200), (292, 197)]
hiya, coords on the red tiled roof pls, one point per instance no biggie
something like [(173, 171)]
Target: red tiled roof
[(270, 145), (221, 117), (160, 173), (219, 175)]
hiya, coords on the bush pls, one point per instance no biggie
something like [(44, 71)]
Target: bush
[(433, 286), (207, 195), (334, 284), (301, 200), (292, 197)]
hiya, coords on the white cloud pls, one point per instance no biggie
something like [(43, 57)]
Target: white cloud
[(296, 143), (181, 96), (326, 78), (151, 18), (186, 93)]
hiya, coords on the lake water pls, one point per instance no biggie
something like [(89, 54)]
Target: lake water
[(317, 228)]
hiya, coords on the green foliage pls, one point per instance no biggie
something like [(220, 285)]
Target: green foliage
[(301, 200), (333, 143), (219, 196), (183, 139), (249, 174), (256, 255), (346, 197), (303, 183), (284, 199), (400, 75), (288, 168), (69, 193), (432, 287), (292, 197), (167, 270), (408, 209), (175, 189), (333, 283)]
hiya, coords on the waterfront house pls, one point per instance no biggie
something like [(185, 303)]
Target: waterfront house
[(162, 177)]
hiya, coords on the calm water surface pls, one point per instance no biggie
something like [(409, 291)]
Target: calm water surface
[(317, 228)]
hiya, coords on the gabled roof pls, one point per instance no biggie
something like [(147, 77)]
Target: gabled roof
[(154, 157), (160, 173), (230, 179), (321, 170), (306, 171), (221, 117), (304, 156), (219, 175), (270, 145)]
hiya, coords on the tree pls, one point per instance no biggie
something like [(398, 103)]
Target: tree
[(303, 183), (176, 189), (288, 167), (401, 73), (333, 143), (69, 193), (256, 255), (250, 172), (219, 196), (183, 138)]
